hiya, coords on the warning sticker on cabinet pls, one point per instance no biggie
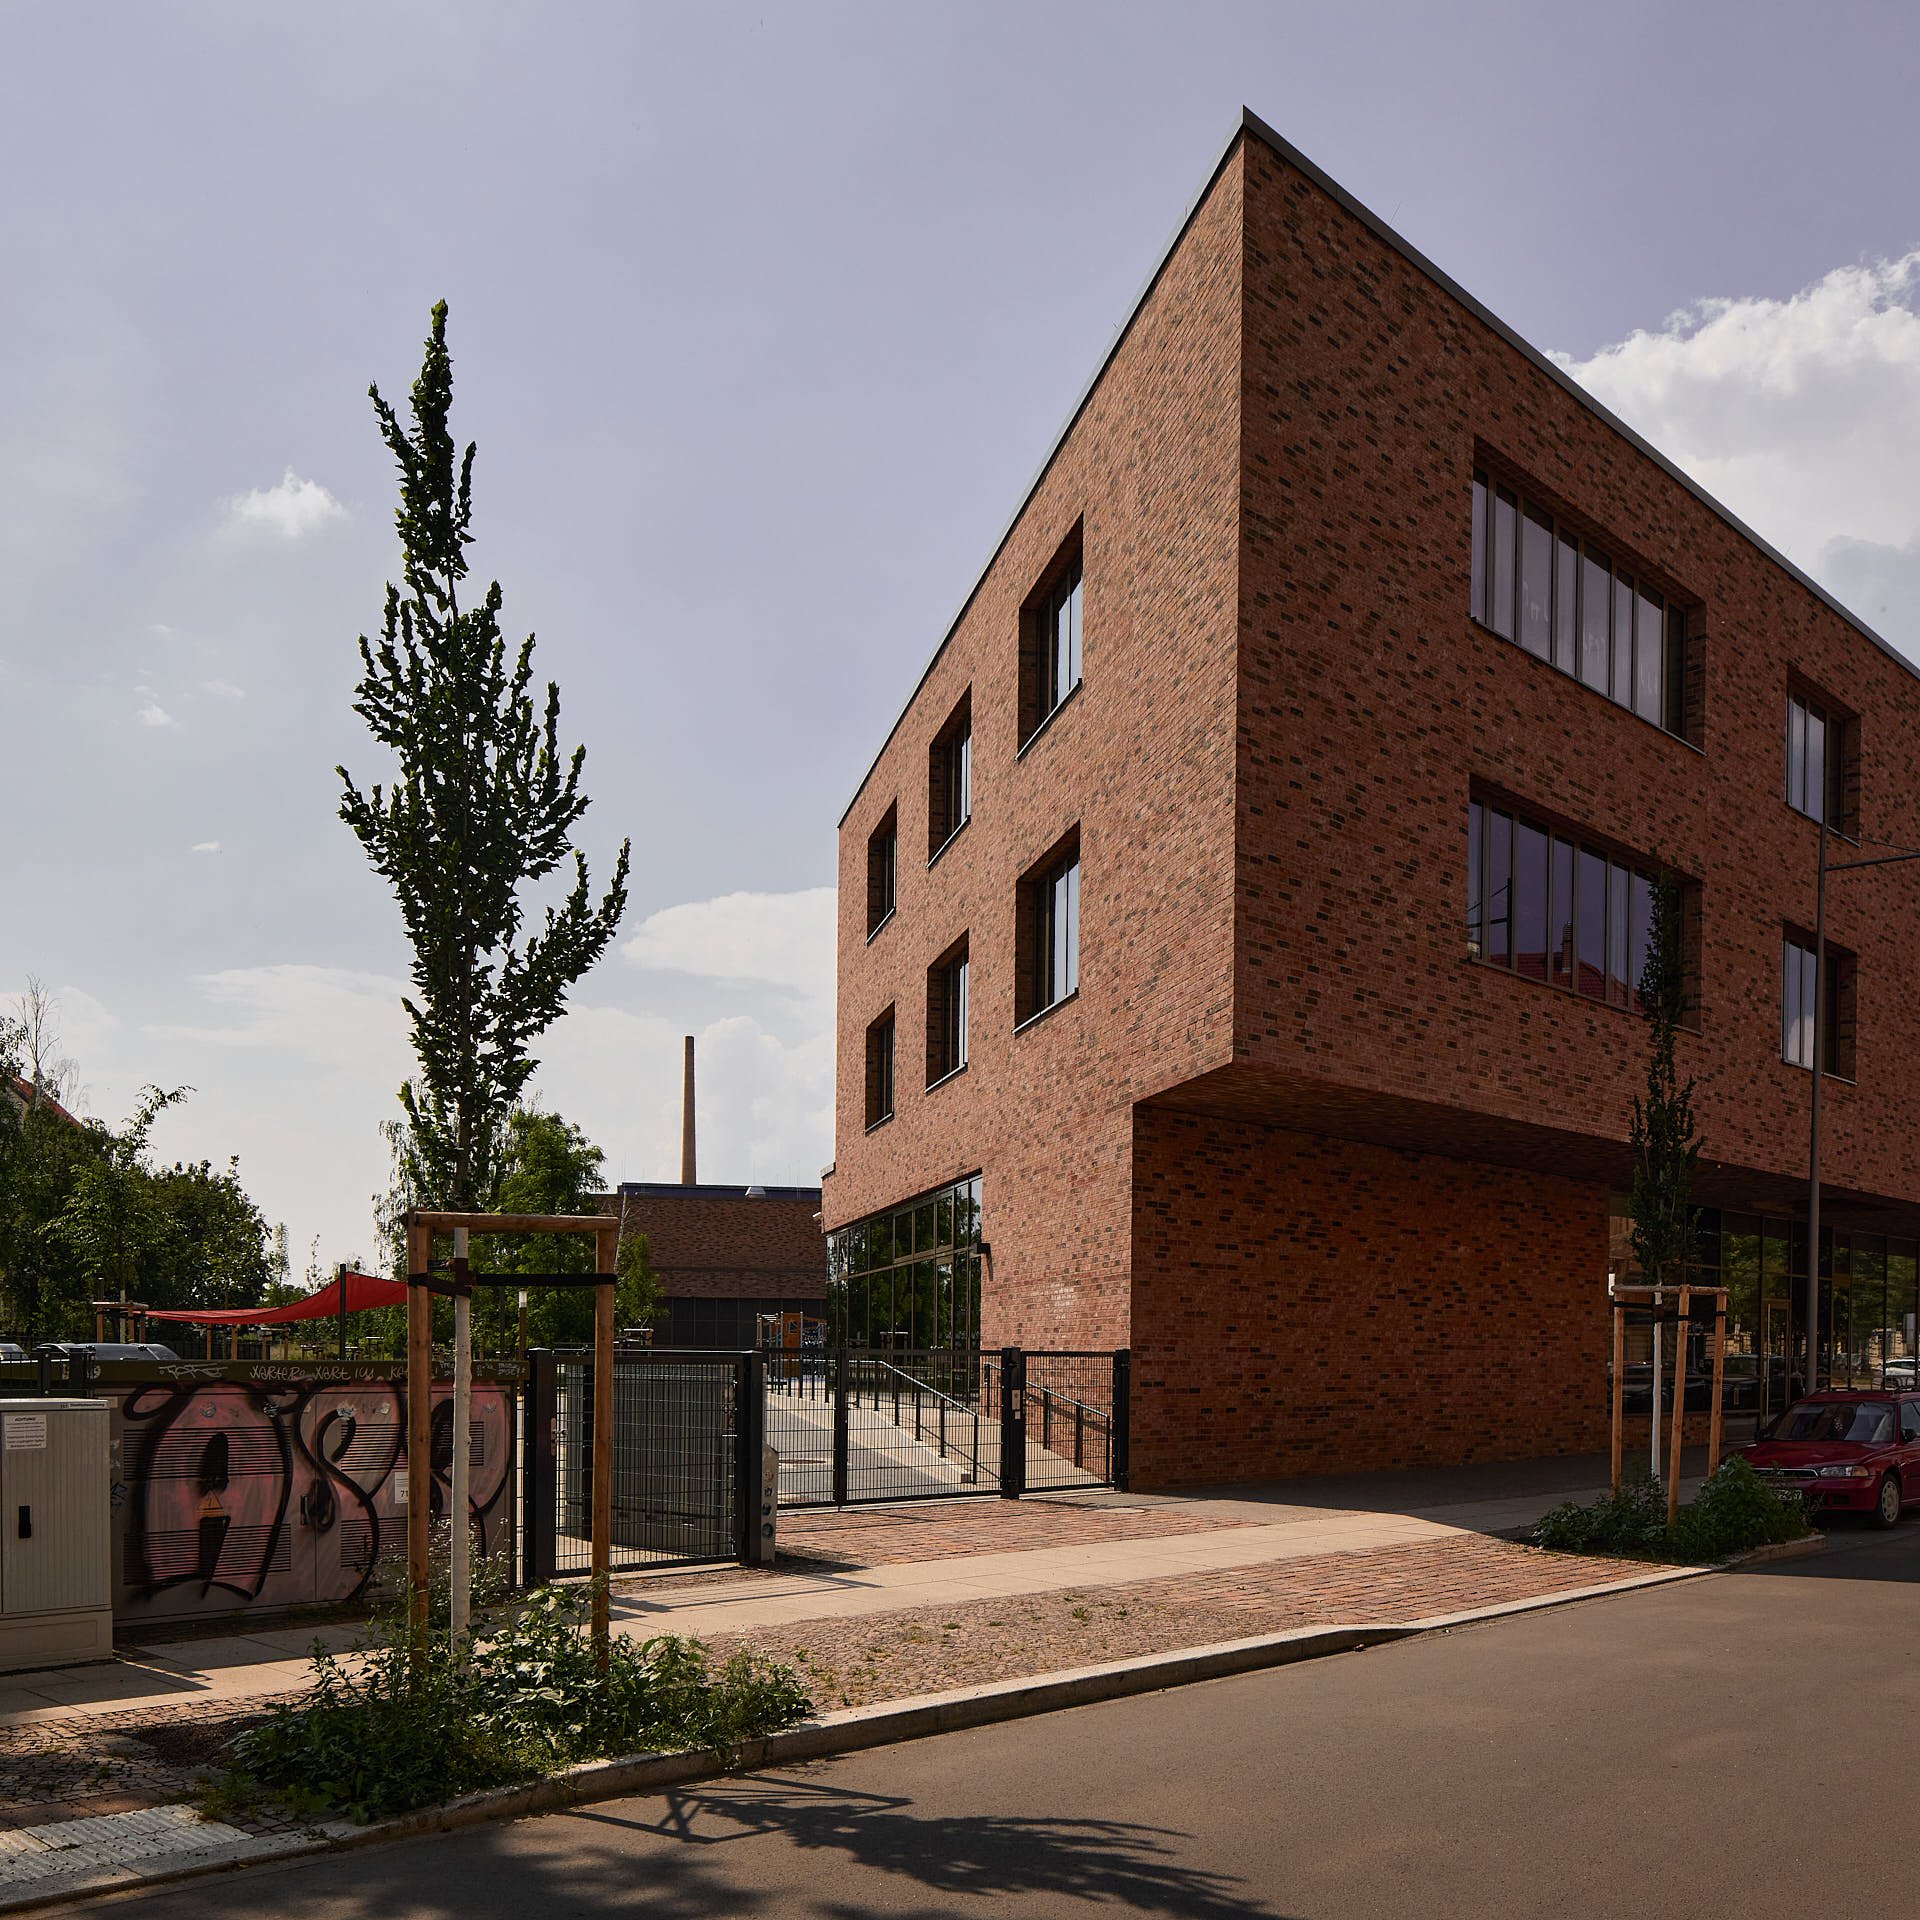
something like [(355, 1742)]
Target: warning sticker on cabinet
[(26, 1432)]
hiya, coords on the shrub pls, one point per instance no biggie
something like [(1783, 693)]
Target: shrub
[(1734, 1511), (372, 1738)]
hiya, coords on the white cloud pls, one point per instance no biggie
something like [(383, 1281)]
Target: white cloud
[(782, 940), (153, 714), (223, 689), (206, 846), (1802, 415), (291, 510), (326, 1017)]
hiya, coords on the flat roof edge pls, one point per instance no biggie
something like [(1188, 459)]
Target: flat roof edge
[(1250, 123), (1053, 451)]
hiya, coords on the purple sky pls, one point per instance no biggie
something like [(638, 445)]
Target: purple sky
[(763, 317)]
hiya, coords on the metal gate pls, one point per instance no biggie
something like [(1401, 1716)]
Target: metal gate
[(680, 1457), (859, 1424)]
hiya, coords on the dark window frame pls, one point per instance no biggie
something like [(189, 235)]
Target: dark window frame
[(949, 997), (883, 870), (1547, 613), (950, 778), (1840, 757), (1045, 686), (1838, 1008), (1046, 957), (1592, 907), (882, 1068)]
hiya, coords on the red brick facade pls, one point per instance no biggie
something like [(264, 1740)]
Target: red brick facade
[(1344, 1190)]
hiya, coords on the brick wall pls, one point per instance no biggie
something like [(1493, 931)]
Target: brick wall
[(1308, 1305), (714, 1242)]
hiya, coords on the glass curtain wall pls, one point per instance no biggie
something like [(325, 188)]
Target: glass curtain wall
[(1869, 1306), (909, 1277)]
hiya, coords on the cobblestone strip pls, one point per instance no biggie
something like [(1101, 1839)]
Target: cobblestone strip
[(866, 1659)]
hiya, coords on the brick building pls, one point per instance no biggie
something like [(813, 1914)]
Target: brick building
[(726, 1256), (1238, 928)]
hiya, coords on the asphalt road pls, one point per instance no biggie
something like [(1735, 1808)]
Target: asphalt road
[(1743, 1745)]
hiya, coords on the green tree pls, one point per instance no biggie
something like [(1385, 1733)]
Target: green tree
[(1662, 1136), (482, 807), (113, 1217), (209, 1245)]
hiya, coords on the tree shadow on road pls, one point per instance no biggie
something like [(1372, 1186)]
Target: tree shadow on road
[(973, 1856)]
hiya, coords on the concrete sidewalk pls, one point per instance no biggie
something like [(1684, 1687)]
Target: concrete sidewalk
[(1108, 1540)]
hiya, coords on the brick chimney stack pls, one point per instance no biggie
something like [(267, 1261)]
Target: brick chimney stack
[(686, 1122)]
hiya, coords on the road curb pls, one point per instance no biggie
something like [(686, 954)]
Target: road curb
[(850, 1730)]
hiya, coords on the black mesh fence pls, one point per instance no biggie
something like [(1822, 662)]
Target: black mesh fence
[(675, 1458)]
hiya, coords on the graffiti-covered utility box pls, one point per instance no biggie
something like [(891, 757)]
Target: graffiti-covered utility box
[(56, 1559), (262, 1487)]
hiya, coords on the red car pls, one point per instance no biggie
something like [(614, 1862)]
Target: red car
[(1846, 1451)]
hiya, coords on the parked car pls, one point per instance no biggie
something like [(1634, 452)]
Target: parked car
[(109, 1349), (1850, 1451), (1900, 1373), (11, 1350)]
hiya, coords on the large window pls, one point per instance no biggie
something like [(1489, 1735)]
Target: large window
[(880, 1070), (1536, 582), (1047, 932), (883, 860), (950, 777), (947, 1014), (1547, 907), (1801, 1002), (1819, 743), (1050, 641), (909, 1277)]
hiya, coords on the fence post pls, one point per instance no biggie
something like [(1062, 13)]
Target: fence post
[(1119, 1437), (841, 1368), (540, 1526), (750, 1436), (1013, 1423)]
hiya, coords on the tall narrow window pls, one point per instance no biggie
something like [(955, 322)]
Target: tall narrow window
[(1047, 957), (1595, 598), (1819, 742), (880, 1070), (947, 1014), (1050, 640), (883, 859), (1529, 901), (1506, 510), (1536, 583), (950, 777), (1802, 1002)]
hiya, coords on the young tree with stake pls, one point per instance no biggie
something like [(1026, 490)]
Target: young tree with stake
[(482, 806)]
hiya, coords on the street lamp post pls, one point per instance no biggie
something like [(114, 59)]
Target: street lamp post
[(1819, 1069)]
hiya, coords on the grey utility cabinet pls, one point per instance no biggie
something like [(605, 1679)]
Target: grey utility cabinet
[(56, 1555)]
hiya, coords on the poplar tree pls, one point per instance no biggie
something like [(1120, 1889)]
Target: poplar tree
[(1665, 1147), (481, 808)]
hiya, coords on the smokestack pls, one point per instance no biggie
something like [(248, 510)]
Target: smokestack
[(686, 1122)]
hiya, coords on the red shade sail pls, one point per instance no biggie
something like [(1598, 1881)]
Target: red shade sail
[(362, 1290)]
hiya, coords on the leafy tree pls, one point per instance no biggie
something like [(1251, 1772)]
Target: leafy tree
[(113, 1218), (542, 1164), (209, 1245), (482, 807), (1665, 1146)]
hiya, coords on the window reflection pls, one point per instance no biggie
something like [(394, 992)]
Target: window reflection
[(1533, 582), (909, 1277), (1552, 910)]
